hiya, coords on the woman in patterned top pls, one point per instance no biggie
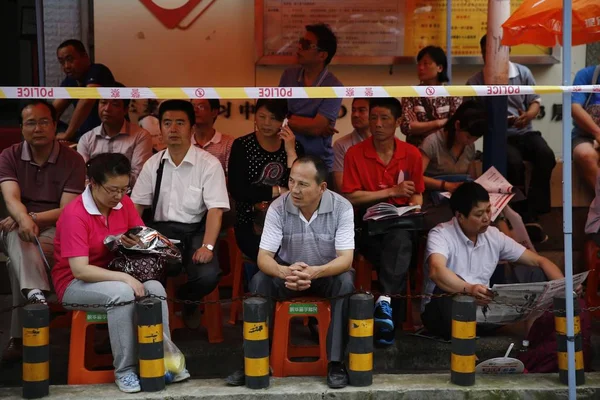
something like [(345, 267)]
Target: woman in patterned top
[(259, 167), (423, 116)]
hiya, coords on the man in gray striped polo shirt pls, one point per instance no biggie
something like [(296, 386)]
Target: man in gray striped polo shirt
[(306, 248)]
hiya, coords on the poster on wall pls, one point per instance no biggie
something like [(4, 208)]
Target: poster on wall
[(380, 32)]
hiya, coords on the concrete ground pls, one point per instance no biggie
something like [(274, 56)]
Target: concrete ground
[(385, 387)]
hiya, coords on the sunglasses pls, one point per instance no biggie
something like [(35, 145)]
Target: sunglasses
[(305, 44)]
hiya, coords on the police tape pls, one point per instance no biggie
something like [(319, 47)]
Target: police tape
[(29, 92)]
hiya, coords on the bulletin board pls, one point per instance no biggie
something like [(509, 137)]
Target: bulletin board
[(381, 32)]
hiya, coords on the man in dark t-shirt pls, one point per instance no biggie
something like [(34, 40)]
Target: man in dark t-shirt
[(75, 62)]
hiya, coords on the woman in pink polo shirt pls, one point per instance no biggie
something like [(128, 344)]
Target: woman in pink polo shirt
[(81, 275)]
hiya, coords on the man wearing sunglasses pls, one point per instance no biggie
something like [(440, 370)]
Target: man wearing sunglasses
[(313, 120), (38, 177)]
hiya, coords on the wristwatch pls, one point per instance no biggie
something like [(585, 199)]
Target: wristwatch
[(33, 216), (208, 246)]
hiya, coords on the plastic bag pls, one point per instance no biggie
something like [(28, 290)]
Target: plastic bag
[(174, 360)]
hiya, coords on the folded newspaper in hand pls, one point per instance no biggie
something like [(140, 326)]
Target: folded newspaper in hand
[(386, 210), (520, 300), (500, 190)]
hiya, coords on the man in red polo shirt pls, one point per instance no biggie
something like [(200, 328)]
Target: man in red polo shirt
[(385, 169), (38, 177)]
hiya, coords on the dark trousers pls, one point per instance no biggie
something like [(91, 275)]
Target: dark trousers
[(202, 278), (247, 240), (331, 286), (531, 147), (391, 254), (437, 316)]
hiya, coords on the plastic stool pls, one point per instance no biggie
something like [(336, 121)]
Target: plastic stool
[(592, 263), (212, 318), (282, 350), (234, 278), (81, 346)]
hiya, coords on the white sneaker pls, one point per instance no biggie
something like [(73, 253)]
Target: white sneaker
[(182, 376), (129, 383)]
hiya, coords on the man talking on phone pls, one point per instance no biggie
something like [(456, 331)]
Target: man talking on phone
[(463, 254)]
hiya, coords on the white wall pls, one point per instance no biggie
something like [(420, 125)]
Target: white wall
[(218, 50)]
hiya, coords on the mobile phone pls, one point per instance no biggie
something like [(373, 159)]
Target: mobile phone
[(285, 123)]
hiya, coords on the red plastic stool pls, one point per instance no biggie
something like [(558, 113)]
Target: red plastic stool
[(212, 318), (81, 348), (592, 263), (282, 350)]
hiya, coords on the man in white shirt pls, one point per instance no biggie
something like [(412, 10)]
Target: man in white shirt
[(117, 135), (360, 123), (191, 199), (462, 255)]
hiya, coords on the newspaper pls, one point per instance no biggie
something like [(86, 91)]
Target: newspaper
[(499, 189), (387, 210), (518, 299)]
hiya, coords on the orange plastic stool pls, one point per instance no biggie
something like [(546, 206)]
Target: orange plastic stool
[(212, 318), (82, 345), (234, 277), (592, 263), (282, 350)]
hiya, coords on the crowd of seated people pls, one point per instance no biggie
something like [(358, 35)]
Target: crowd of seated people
[(299, 199)]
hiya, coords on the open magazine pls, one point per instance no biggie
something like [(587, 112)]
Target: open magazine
[(386, 210), (517, 300), (500, 190)]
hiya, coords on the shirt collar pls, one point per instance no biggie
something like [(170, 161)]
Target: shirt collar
[(513, 71), (356, 137), (461, 235), (215, 139), (26, 153), (189, 156), (125, 130), (370, 152), (325, 206), (90, 205), (317, 82)]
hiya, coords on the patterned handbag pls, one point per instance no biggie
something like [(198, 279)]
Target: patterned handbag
[(143, 267)]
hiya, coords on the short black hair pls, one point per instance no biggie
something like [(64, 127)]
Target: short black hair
[(326, 39), (391, 103), (361, 98), (77, 45), (106, 165), (472, 117), (33, 103), (438, 55), (322, 171), (177, 105), (467, 196), (483, 41), (277, 107)]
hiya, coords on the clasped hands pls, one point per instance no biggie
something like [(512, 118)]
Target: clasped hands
[(298, 276)]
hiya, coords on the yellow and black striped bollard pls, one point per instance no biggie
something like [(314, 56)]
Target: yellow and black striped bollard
[(256, 343), (560, 323), (464, 326), (150, 345), (360, 343), (36, 351)]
